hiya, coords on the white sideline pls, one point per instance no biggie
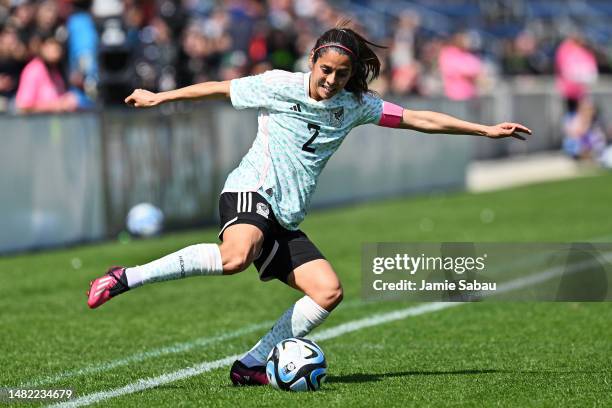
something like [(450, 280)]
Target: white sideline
[(147, 383), (381, 318), (203, 367), (159, 352), (377, 319), (138, 357), (435, 306)]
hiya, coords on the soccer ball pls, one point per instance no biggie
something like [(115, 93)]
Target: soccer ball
[(296, 364), (145, 220)]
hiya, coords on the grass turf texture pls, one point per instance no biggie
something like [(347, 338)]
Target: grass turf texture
[(491, 354)]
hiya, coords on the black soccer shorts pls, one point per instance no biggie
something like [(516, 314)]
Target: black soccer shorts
[(283, 250)]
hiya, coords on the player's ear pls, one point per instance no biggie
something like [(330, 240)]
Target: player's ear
[(311, 60)]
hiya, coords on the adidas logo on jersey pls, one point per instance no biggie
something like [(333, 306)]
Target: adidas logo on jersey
[(296, 108)]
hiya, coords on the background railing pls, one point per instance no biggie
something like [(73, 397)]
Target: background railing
[(72, 178)]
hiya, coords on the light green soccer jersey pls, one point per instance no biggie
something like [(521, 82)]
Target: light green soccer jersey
[(296, 136)]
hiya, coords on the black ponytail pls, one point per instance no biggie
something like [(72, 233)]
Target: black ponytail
[(365, 63)]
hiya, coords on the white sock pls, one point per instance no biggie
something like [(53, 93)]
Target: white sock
[(200, 259), (297, 321)]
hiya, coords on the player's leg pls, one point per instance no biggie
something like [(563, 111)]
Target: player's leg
[(318, 280), (242, 241), (235, 254), (323, 292), (314, 277), (241, 244)]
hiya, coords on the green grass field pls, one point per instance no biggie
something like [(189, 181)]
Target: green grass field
[(485, 354)]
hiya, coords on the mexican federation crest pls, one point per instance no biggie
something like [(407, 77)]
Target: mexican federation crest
[(336, 116), (263, 210)]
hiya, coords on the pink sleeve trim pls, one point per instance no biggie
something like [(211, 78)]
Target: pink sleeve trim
[(391, 115)]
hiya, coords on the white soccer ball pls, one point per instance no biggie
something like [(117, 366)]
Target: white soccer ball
[(145, 220), (296, 364)]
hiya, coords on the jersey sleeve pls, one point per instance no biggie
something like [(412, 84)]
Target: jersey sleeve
[(256, 91), (371, 109)]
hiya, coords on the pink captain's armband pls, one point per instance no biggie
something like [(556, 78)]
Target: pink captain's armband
[(391, 115)]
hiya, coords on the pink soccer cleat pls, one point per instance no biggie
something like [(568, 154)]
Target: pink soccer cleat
[(240, 374), (113, 283)]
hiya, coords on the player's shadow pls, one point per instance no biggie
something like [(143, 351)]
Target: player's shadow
[(363, 377)]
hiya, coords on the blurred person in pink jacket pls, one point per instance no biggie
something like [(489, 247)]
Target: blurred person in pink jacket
[(41, 86), (460, 68), (576, 69)]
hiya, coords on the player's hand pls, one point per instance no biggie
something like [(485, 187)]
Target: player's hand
[(141, 98), (507, 129)]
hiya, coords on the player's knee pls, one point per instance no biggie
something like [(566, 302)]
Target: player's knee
[(336, 296), (331, 297), (235, 258), (235, 264)]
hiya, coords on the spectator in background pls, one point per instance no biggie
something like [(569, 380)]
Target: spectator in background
[(282, 50), (405, 68), (243, 15), (46, 23), (258, 47), (460, 68), (585, 136), (46, 20), (218, 44), (134, 20), (191, 65), (522, 55), (22, 18), (207, 51), (282, 38), (5, 6), (41, 87), (82, 53), (430, 79), (304, 43), (159, 55), (13, 57), (576, 69)]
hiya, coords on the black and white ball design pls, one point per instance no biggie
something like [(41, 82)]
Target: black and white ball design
[(296, 364)]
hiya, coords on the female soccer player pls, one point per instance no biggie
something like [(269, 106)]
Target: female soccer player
[(303, 118)]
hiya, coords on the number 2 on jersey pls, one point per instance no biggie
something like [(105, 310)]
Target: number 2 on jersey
[(306, 147)]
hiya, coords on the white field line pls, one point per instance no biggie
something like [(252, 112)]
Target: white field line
[(182, 347), (145, 355), (147, 383), (203, 367), (381, 318), (159, 352), (435, 306)]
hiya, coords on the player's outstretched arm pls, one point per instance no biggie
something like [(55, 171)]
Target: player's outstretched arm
[(434, 122), (141, 98)]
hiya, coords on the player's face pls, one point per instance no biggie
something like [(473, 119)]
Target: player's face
[(329, 75)]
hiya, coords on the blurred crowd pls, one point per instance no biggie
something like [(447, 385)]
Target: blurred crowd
[(66, 55), (48, 56)]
